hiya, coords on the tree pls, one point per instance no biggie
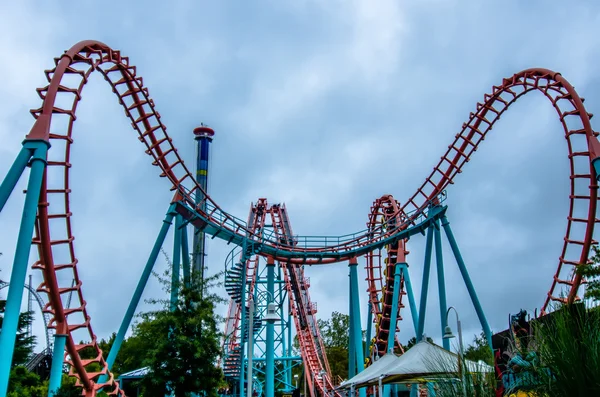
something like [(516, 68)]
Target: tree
[(24, 343), (413, 341), (25, 384), (479, 350), (185, 343), (591, 272)]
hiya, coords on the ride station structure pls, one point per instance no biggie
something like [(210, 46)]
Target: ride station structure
[(265, 273)]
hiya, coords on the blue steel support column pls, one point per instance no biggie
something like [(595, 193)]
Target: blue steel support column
[(58, 355), (425, 284), (411, 296), (19, 269), (441, 280), (270, 356), (243, 324), (135, 299), (596, 165), (185, 255), (15, 172), (355, 320), (394, 313), (467, 279), (369, 325), (393, 321), (176, 263), (289, 352), (351, 352), (203, 136)]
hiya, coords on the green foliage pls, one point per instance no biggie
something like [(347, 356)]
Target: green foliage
[(334, 332), (479, 350), (568, 344), (185, 343), (25, 384), (68, 388), (591, 272), (413, 341), (23, 344)]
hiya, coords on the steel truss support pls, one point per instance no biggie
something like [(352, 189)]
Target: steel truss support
[(411, 297), (369, 328), (185, 254), (176, 262), (425, 283), (135, 299), (270, 356), (36, 151), (435, 230), (355, 324), (441, 280), (266, 291), (351, 352), (467, 279), (58, 358)]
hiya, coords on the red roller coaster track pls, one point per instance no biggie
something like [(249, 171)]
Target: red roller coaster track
[(55, 244)]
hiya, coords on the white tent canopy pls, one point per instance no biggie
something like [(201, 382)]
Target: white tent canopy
[(424, 361), (362, 378), (427, 360)]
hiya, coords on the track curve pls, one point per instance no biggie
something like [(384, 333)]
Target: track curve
[(55, 245), (582, 145), (385, 212)]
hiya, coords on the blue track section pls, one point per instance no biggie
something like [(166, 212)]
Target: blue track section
[(233, 230)]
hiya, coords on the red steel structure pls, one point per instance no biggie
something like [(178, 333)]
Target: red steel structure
[(54, 238)]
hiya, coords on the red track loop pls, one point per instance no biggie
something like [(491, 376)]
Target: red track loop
[(385, 215), (582, 146), (56, 245)]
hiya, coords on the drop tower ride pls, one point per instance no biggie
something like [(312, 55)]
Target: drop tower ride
[(203, 136)]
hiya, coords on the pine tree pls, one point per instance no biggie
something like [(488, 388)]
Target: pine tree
[(24, 343)]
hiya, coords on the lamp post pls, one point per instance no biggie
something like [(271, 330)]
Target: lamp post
[(296, 379), (448, 335)]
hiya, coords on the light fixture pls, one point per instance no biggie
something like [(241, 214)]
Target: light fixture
[(271, 313), (448, 333)]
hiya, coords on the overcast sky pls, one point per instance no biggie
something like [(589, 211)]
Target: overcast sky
[(323, 105)]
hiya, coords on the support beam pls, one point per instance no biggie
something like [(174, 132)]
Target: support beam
[(411, 297), (176, 263), (359, 357), (58, 356), (185, 255), (467, 279), (21, 260), (242, 321), (351, 352), (441, 281), (270, 356), (394, 313), (135, 299), (14, 174), (369, 329), (355, 320), (425, 284)]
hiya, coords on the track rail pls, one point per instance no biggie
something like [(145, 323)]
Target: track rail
[(582, 148), (385, 215), (55, 245)]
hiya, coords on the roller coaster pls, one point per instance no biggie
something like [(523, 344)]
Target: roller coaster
[(47, 217)]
